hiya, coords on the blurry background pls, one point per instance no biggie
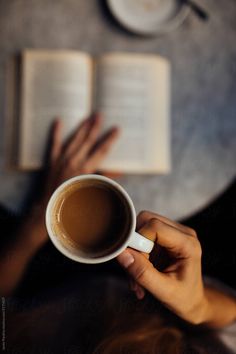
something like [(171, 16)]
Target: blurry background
[(203, 109)]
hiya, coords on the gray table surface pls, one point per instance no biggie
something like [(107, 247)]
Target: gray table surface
[(203, 59)]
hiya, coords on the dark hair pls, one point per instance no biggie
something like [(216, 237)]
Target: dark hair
[(153, 333), (141, 334)]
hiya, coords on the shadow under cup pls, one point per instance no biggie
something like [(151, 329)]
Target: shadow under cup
[(89, 219)]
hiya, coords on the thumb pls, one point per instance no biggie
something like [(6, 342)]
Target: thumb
[(144, 273)]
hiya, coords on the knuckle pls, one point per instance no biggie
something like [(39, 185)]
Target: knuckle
[(143, 214), (155, 223), (139, 273), (192, 231), (195, 248)]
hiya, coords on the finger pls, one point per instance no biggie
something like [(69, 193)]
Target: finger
[(111, 174), (145, 274), (77, 138), (138, 289), (56, 140), (140, 292), (133, 284), (101, 151), (90, 139), (144, 216), (180, 244)]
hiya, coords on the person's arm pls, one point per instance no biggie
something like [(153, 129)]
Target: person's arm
[(82, 153), (220, 308), (15, 257), (179, 286)]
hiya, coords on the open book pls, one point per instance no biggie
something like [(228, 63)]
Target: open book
[(130, 90)]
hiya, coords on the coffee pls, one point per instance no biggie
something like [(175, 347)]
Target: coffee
[(92, 217)]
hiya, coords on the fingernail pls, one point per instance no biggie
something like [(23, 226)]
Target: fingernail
[(140, 293), (125, 259), (116, 131)]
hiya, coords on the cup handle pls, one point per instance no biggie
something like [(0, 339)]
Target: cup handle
[(140, 243)]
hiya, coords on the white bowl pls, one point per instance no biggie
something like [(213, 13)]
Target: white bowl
[(148, 17)]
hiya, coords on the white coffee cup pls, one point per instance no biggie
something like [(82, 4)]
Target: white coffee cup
[(132, 239)]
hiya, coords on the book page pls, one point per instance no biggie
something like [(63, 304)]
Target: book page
[(133, 93), (54, 84)]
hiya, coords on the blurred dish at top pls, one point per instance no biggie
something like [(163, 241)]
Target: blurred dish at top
[(149, 17)]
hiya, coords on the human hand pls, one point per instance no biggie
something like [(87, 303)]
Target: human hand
[(179, 286), (82, 153)]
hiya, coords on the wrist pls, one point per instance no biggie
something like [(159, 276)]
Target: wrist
[(200, 312), (33, 230), (205, 311)]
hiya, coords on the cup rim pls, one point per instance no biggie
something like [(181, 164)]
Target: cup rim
[(56, 241)]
